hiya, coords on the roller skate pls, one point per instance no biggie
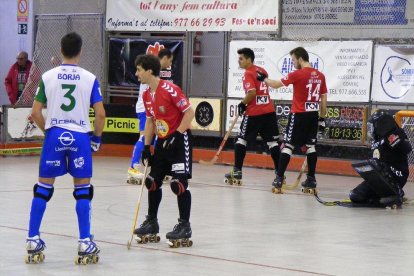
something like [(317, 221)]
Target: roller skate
[(134, 176), (309, 185), (35, 247), (234, 177), (277, 184), (180, 235), (392, 202), (148, 231), (87, 252)]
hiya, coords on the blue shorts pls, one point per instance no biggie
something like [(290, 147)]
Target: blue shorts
[(142, 117), (66, 151)]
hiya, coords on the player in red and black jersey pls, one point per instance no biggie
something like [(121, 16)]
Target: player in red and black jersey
[(259, 115), (169, 113), (307, 114)]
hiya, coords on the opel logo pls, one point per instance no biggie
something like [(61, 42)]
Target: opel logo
[(66, 138)]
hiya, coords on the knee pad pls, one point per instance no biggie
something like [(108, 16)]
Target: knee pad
[(151, 184), (178, 186), (241, 141), (287, 148), (357, 197), (272, 144), (83, 192), (310, 149), (43, 192)]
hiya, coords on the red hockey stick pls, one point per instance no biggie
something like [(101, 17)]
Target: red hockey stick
[(215, 158)]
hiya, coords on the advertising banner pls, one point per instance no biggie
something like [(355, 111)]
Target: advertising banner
[(122, 54), (393, 78), (346, 65), (200, 15), (207, 114), (345, 12)]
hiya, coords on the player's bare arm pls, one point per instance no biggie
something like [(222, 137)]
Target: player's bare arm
[(37, 115), (250, 95), (186, 121), (273, 83), (149, 131), (324, 98), (100, 115)]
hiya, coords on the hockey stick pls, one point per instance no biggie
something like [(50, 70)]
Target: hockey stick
[(296, 184), (137, 208), (215, 158)]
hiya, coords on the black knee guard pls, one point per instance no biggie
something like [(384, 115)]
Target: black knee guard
[(83, 193), (357, 197), (178, 186), (41, 192), (151, 184)]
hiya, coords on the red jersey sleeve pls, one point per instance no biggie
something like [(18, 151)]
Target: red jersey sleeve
[(248, 81), (178, 98), (290, 78), (146, 98), (324, 89)]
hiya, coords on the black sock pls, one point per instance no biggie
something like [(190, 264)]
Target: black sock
[(275, 154), (184, 205), (154, 199), (239, 154), (311, 158), (283, 163)]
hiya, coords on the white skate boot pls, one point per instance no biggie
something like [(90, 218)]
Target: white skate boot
[(135, 176), (87, 252), (35, 247)]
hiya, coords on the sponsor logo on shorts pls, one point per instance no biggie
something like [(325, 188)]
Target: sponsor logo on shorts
[(79, 162), (177, 167), (66, 138), (53, 163)]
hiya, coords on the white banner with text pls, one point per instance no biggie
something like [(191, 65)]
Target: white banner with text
[(200, 15), (393, 78), (346, 65)]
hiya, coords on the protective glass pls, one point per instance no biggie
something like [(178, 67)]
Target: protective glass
[(370, 130)]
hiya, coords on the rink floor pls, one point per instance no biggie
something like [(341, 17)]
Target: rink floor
[(243, 230)]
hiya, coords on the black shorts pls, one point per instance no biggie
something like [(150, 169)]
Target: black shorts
[(265, 125), (177, 163), (302, 129)]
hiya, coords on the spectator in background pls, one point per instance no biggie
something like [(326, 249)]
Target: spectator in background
[(29, 91), (17, 77)]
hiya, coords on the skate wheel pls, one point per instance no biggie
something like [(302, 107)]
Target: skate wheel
[(85, 260), (77, 260), (95, 259), (157, 239), (36, 259), (177, 244), (128, 182), (27, 259), (235, 182), (42, 257), (189, 243), (226, 181), (277, 190), (145, 239)]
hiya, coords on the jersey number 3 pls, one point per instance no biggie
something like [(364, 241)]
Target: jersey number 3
[(68, 95)]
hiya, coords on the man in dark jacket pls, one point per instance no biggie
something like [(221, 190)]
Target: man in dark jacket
[(17, 77)]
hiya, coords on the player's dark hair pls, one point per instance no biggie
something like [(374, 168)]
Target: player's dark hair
[(164, 52), (71, 45), (148, 62), (300, 52), (247, 53)]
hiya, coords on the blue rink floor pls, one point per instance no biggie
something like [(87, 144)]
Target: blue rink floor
[(243, 230)]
